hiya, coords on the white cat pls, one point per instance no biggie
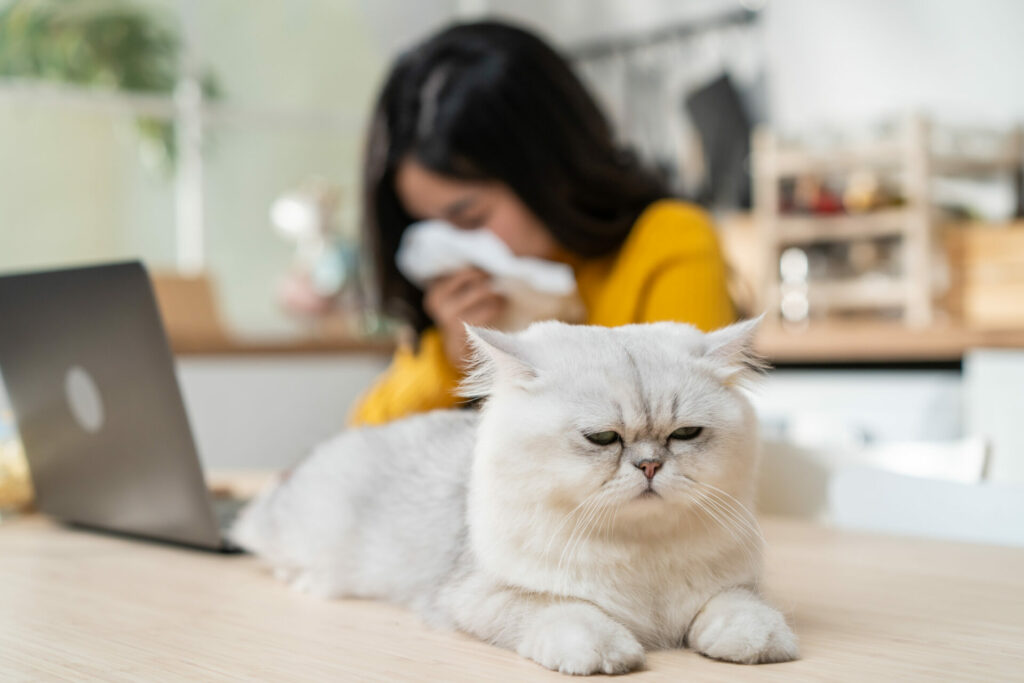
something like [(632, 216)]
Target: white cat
[(598, 504)]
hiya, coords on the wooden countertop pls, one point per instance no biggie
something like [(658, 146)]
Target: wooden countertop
[(240, 346), (878, 343), (824, 343), (82, 606)]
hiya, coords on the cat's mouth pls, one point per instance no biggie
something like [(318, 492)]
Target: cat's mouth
[(649, 492)]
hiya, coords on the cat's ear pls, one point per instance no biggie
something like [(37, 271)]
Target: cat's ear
[(496, 356), (732, 351)]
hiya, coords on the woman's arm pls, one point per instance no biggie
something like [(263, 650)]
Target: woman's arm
[(416, 381)]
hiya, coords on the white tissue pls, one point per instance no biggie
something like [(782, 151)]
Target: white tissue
[(430, 249)]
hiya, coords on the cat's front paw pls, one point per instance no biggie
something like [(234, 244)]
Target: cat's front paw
[(580, 639), (317, 583), (740, 628)]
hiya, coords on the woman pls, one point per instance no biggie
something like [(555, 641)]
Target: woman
[(485, 125)]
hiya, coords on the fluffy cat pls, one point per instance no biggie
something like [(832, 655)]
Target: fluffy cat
[(597, 506)]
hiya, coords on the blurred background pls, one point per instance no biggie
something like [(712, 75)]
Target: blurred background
[(863, 161)]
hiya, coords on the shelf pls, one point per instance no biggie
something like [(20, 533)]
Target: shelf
[(810, 229), (790, 162), (918, 152), (787, 162), (877, 342), (976, 166), (228, 346), (857, 294)]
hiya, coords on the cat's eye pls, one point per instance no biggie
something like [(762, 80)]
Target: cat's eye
[(602, 438), (686, 433)]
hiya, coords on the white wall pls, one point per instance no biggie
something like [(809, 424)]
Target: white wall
[(837, 62), (841, 61), (73, 188), (569, 22)]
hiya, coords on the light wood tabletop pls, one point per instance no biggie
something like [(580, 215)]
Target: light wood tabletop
[(77, 606)]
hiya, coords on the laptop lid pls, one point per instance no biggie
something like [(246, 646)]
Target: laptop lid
[(91, 380)]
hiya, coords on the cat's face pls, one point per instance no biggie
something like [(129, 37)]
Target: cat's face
[(642, 418)]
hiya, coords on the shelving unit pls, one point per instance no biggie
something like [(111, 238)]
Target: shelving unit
[(909, 153)]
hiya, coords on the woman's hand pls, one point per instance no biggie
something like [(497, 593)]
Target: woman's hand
[(462, 297)]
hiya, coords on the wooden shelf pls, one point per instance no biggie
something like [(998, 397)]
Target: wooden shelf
[(911, 152), (882, 155), (790, 161), (802, 229), (960, 165), (877, 342), (825, 342), (233, 346), (861, 293)]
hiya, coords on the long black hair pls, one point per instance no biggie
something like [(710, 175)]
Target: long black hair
[(490, 101)]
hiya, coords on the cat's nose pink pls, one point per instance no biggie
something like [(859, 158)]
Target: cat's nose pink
[(648, 466)]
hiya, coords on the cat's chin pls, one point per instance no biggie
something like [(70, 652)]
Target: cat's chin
[(647, 500)]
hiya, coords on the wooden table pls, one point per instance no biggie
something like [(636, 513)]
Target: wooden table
[(80, 606)]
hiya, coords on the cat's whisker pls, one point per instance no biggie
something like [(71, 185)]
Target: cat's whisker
[(597, 523), (580, 542), (565, 520), (735, 501), (746, 519), (593, 503), (587, 508), (565, 560), (704, 522), (577, 529), (702, 518), (707, 504), (595, 518), (750, 530), (591, 522), (749, 543), (731, 503), (608, 522), (611, 519), (715, 517)]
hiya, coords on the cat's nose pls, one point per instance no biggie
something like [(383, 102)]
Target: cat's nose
[(648, 466)]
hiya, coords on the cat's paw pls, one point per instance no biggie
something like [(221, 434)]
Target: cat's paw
[(317, 583), (743, 630), (581, 640)]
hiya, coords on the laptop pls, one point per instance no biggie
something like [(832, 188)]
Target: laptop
[(90, 377)]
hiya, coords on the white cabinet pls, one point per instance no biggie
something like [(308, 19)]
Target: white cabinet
[(268, 411)]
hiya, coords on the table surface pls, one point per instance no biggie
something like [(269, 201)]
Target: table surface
[(830, 342), (76, 605)]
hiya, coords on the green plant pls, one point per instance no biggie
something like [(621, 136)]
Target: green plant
[(113, 44)]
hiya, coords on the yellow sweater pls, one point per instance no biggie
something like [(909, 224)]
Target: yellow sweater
[(669, 268)]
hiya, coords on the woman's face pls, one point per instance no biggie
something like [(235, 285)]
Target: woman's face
[(474, 204)]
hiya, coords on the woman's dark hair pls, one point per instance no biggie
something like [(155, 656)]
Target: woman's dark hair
[(489, 101)]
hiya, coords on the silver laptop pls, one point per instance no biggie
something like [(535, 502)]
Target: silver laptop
[(91, 379)]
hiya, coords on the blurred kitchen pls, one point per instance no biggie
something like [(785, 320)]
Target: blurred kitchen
[(863, 161)]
